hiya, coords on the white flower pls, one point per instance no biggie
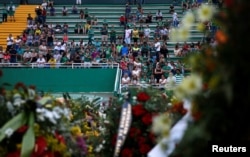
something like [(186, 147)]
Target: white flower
[(50, 116), (18, 100), (205, 12), (183, 34), (31, 93), (8, 132), (173, 35), (161, 124), (188, 20), (189, 87)]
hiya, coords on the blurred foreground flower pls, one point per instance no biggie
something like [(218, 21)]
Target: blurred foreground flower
[(205, 12)]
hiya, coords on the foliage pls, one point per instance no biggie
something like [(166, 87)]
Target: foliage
[(220, 108)]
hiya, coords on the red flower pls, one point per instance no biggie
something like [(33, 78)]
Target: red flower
[(22, 129), (147, 119), (126, 152), (141, 140), (14, 154), (138, 110), (19, 85), (151, 136), (60, 138), (40, 146), (144, 149), (229, 3), (113, 141), (134, 132), (143, 97)]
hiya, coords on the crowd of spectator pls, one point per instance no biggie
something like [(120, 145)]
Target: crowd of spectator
[(141, 59)]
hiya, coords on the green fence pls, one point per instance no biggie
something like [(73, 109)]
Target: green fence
[(62, 79)]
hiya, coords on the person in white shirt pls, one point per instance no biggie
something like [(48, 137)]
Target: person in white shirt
[(175, 19), (40, 61), (44, 4), (27, 56), (157, 46), (43, 50), (128, 33), (126, 80), (171, 81), (158, 15), (147, 33), (10, 42), (79, 2)]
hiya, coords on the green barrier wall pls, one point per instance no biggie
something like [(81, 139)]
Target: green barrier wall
[(62, 80)]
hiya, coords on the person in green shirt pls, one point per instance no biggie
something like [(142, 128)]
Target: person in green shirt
[(166, 69), (87, 59), (4, 13), (91, 35), (113, 35)]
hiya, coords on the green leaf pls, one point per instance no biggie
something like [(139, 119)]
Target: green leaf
[(44, 100), (28, 142), (15, 123)]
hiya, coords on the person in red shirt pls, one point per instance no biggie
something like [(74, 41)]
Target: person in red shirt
[(122, 20)]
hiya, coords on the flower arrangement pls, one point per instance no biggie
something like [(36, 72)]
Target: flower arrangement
[(36, 126), (141, 138)]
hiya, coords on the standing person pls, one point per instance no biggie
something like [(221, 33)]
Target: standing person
[(11, 11), (104, 33), (79, 2), (113, 35), (128, 34), (127, 11), (5, 13), (91, 34)]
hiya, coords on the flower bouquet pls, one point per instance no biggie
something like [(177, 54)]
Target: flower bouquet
[(36, 126)]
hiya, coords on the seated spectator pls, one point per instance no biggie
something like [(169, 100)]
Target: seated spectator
[(27, 56), (81, 16), (64, 11), (126, 80), (158, 73), (40, 61), (34, 56), (162, 81), (74, 9), (29, 19), (179, 76), (171, 81), (50, 3), (65, 38), (136, 73), (65, 28), (171, 9), (52, 62), (158, 15), (52, 11), (122, 20), (29, 41), (185, 48), (58, 28), (149, 18), (94, 20), (6, 57), (178, 51)]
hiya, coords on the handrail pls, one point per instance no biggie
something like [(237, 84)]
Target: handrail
[(116, 79), (60, 65)]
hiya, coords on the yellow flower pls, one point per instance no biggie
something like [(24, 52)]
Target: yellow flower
[(200, 27), (76, 131), (188, 20), (205, 12), (173, 35), (90, 149)]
